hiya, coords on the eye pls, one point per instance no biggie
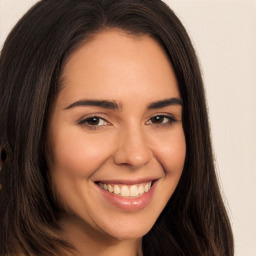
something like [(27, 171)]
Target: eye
[(93, 122), (161, 120)]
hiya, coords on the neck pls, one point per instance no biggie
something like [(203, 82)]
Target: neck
[(88, 241)]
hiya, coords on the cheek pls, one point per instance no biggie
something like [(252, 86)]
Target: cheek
[(171, 153), (78, 153), (76, 156)]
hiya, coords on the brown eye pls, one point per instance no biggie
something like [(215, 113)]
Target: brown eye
[(162, 120), (158, 119), (93, 122)]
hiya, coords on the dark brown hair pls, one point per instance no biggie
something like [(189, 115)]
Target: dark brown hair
[(194, 222)]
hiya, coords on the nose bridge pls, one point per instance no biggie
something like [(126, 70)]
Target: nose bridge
[(132, 148)]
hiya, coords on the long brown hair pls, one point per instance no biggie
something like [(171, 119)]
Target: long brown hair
[(194, 222)]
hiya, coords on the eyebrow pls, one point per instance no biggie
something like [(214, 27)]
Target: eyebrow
[(117, 106), (165, 103), (97, 103)]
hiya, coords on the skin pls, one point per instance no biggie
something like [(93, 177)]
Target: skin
[(125, 144)]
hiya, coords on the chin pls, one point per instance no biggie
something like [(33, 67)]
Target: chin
[(128, 231)]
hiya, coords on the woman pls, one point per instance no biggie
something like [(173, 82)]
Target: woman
[(104, 133)]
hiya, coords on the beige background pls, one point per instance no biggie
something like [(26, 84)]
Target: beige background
[(224, 35)]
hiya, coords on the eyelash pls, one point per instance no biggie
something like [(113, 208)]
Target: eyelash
[(85, 122)]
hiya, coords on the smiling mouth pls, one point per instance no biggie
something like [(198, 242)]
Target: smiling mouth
[(127, 191)]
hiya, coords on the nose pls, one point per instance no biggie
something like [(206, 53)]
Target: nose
[(132, 149)]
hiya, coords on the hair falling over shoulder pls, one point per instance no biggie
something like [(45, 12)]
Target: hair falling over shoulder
[(194, 222)]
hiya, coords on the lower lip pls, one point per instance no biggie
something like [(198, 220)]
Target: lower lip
[(129, 204)]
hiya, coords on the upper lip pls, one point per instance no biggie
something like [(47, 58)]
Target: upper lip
[(126, 181)]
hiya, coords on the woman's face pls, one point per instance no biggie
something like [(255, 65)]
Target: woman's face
[(115, 134)]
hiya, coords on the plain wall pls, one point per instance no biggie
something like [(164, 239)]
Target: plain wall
[(224, 35)]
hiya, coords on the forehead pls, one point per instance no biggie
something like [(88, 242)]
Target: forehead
[(114, 63)]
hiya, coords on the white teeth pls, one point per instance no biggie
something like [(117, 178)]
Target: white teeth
[(133, 190), (127, 190), (141, 190), (110, 188), (117, 189)]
